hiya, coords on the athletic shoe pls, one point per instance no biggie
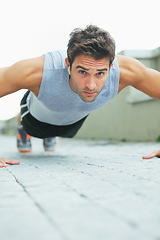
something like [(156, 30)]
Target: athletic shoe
[(50, 144), (23, 141)]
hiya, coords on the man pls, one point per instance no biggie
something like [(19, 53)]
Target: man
[(64, 87)]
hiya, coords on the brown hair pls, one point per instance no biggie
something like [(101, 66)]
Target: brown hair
[(91, 41)]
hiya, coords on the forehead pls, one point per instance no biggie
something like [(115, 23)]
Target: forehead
[(88, 61)]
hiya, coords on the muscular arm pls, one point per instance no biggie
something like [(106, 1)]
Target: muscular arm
[(26, 74), (147, 80), (135, 74)]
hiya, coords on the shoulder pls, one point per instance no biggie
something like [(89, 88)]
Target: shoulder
[(131, 71), (26, 68), (55, 59), (31, 68)]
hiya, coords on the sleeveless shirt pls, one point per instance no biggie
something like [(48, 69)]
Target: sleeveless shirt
[(57, 103)]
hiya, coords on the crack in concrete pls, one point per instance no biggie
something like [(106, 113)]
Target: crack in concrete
[(53, 224), (130, 222)]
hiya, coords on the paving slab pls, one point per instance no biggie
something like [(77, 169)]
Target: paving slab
[(86, 190)]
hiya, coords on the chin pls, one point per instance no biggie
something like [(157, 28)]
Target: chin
[(88, 100)]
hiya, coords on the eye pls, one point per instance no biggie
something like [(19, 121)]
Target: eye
[(100, 73), (82, 72)]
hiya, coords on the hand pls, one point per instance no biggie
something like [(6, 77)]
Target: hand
[(5, 161), (152, 155)]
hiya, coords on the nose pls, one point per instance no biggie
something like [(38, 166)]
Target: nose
[(90, 84)]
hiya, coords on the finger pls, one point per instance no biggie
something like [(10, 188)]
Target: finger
[(5, 161), (149, 156), (3, 165), (152, 155), (12, 162)]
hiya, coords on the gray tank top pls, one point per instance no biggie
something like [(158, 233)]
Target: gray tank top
[(57, 103)]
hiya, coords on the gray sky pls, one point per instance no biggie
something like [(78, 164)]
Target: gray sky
[(32, 27)]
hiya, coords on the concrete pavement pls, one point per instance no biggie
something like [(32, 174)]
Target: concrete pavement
[(86, 190)]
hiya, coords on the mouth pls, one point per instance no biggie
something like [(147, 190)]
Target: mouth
[(89, 93)]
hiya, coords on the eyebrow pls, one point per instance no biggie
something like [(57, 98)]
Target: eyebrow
[(101, 70), (86, 69)]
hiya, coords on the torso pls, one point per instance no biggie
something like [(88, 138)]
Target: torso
[(56, 103)]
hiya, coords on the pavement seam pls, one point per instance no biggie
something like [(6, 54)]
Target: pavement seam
[(128, 221), (53, 224)]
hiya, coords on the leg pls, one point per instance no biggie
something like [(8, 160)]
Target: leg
[(48, 132), (24, 143), (23, 139), (50, 144), (19, 119)]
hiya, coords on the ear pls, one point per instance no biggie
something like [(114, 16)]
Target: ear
[(67, 63)]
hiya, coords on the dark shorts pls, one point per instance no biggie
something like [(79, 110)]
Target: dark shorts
[(43, 130)]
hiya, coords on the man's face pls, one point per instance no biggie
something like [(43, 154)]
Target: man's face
[(88, 76)]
